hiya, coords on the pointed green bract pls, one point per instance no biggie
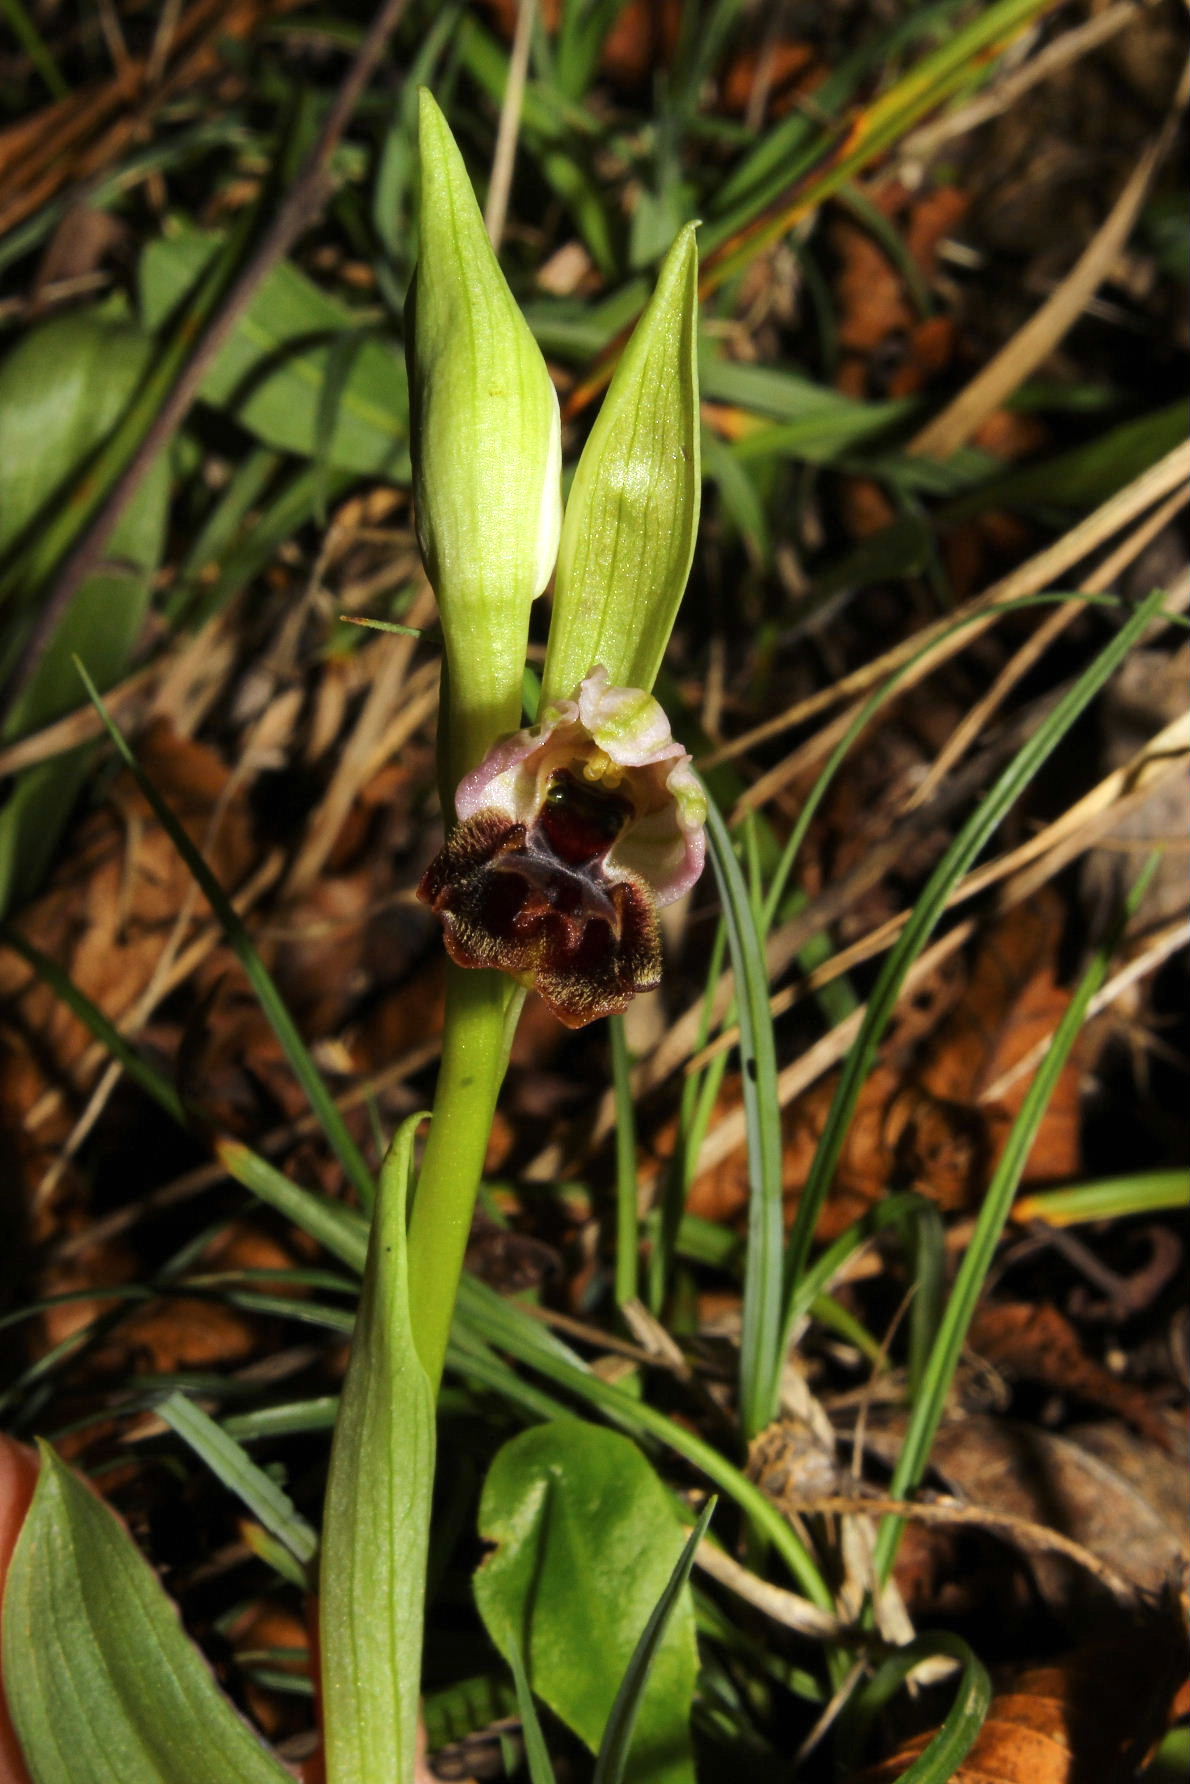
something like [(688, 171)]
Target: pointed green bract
[(377, 1518), (104, 1685), (486, 444), (628, 537)]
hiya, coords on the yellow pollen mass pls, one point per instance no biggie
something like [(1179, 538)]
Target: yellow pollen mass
[(600, 768)]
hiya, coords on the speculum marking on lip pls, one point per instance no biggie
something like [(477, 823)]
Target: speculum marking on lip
[(580, 822), (536, 902)]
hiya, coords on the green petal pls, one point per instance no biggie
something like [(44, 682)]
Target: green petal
[(628, 535)]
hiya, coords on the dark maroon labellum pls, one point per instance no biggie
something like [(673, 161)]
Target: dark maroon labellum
[(537, 902)]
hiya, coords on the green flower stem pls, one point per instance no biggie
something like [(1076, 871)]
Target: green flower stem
[(474, 1053)]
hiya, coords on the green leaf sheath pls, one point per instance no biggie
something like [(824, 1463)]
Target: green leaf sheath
[(377, 1518)]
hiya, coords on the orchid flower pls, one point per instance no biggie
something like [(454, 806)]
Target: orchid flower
[(571, 834), (562, 842)]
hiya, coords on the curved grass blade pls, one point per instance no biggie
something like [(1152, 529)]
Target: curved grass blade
[(930, 1403), (760, 1343), (243, 947), (505, 1325), (473, 1361), (697, 1113), (240, 1474), (961, 1727), (926, 914), (617, 1736)]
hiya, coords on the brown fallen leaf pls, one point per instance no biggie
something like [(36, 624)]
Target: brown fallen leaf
[(888, 348), (788, 70), (1014, 997), (919, 1122), (1089, 1719), (72, 141), (1038, 1343), (1113, 1492)]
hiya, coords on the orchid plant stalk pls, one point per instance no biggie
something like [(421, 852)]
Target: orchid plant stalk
[(569, 833), (563, 838)]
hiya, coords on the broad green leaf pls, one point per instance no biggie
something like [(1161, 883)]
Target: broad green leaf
[(62, 390), (104, 1685), (377, 1519), (586, 1543), (272, 372), (630, 523)]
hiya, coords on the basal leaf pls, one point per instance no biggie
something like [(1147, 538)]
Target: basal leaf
[(62, 390), (272, 373), (104, 1685), (586, 1543)]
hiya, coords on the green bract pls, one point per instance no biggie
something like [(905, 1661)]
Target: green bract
[(632, 516), (486, 447), (377, 1516)]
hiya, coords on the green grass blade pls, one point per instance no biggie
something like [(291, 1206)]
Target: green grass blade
[(151, 1081), (963, 1722), (617, 1736), (342, 1230), (523, 1338), (760, 1343), (930, 1404), (693, 1120), (854, 143), (321, 1101), (472, 1362), (292, 1418), (1107, 1198), (627, 1220), (541, 1770), (35, 47), (239, 1473), (927, 911)]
